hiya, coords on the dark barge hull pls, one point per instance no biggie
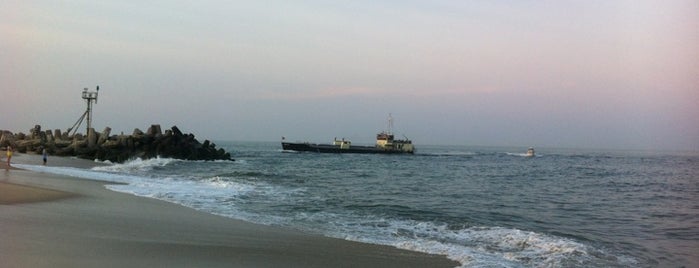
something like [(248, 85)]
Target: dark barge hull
[(328, 148)]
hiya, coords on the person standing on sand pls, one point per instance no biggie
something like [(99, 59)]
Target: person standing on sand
[(9, 154), (45, 155)]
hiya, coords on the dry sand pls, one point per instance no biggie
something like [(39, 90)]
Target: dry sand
[(57, 221)]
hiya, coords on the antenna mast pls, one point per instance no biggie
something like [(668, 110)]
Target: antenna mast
[(89, 97)]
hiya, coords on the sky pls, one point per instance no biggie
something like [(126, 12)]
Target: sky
[(573, 74)]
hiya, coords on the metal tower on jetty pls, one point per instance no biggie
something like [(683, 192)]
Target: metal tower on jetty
[(89, 97)]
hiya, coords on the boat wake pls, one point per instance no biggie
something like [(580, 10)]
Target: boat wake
[(449, 153), (518, 154)]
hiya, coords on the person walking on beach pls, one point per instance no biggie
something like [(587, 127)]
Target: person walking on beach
[(9, 154), (45, 155)]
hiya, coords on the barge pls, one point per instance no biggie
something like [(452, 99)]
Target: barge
[(385, 144)]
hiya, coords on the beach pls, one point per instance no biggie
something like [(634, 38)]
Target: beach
[(49, 220)]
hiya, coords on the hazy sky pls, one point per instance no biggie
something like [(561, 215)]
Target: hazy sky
[(588, 74)]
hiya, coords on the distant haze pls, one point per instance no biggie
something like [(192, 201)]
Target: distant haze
[(582, 74)]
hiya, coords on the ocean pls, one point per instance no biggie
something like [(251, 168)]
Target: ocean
[(480, 206)]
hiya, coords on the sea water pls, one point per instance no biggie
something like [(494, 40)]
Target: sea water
[(483, 207)]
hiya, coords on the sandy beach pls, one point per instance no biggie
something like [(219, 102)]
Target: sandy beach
[(57, 221)]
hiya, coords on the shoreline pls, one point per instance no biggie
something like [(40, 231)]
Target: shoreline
[(80, 223)]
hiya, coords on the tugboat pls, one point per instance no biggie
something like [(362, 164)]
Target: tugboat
[(385, 144)]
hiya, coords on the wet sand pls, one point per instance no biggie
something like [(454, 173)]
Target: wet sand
[(15, 193), (51, 220)]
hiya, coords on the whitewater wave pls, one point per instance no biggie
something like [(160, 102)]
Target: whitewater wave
[(470, 246), (137, 164)]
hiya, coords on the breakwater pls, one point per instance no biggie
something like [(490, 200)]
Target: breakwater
[(171, 143)]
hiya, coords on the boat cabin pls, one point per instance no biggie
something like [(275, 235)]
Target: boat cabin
[(386, 141), (344, 144)]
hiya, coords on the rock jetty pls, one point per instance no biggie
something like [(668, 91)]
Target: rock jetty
[(115, 148)]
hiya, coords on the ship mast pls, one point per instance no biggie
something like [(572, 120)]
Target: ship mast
[(390, 124)]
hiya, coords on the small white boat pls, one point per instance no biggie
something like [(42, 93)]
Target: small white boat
[(530, 152)]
